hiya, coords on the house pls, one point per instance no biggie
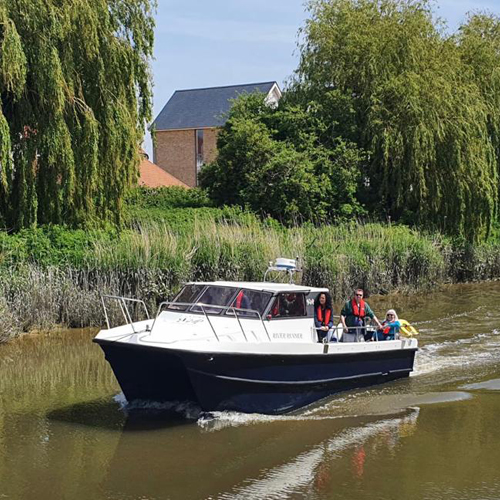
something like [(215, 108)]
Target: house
[(151, 175), (186, 128)]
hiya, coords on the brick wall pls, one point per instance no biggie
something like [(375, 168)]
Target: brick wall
[(175, 152), (210, 139)]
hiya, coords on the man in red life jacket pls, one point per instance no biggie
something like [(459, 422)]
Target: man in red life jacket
[(353, 317)]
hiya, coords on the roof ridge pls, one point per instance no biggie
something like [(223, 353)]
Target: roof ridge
[(226, 86)]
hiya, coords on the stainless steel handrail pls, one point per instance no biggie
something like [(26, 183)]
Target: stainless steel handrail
[(209, 322), (358, 331), (202, 306), (239, 322), (122, 302)]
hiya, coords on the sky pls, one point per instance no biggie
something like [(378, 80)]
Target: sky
[(202, 43)]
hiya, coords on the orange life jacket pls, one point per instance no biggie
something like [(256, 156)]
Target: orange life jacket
[(328, 314), (358, 311)]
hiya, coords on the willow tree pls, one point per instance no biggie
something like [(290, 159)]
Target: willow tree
[(75, 93), (479, 43), (415, 105)]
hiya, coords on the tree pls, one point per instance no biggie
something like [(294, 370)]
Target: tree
[(75, 93), (479, 44), (271, 160), (415, 108)]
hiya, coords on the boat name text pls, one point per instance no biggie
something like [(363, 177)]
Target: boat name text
[(287, 335), (190, 320)]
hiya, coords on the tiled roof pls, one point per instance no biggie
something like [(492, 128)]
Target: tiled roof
[(199, 108), (152, 175)]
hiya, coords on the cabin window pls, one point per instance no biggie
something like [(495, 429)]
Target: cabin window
[(200, 159), (187, 295), (289, 305), (217, 296), (251, 299)]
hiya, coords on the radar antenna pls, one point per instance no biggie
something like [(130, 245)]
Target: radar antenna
[(288, 266)]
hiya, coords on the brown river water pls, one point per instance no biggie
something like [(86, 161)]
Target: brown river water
[(67, 433)]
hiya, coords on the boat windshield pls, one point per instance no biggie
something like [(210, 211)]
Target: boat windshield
[(250, 299), (187, 295), (192, 294), (217, 296)]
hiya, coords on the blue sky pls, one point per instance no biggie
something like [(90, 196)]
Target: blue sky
[(226, 42)]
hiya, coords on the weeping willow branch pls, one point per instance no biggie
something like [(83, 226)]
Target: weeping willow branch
[(75, 88)]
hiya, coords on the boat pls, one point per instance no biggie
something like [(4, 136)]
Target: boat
[(242, 346)]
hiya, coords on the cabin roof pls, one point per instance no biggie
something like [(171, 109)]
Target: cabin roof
[(262, 286)]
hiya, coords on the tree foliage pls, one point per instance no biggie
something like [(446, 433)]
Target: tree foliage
[(423, 104), (75, 93), (272, 161)]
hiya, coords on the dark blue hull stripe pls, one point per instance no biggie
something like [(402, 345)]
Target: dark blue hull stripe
[(300, 382)]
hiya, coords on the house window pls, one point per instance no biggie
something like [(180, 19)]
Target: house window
[(199, 150)]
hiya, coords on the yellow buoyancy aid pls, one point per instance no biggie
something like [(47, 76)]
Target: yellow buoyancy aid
[(406, 329)]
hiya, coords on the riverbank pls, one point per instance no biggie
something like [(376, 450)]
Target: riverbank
[(52, 276)]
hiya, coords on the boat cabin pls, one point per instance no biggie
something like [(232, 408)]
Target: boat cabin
[(263, 311), (269, 301)]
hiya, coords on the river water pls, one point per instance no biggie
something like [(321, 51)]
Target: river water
[(67, 433)]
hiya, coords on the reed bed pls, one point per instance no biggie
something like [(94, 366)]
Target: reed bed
[(152, 261)]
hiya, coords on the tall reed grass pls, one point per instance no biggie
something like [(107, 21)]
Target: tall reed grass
[(153, 260)]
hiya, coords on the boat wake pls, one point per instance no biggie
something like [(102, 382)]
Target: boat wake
[(446, 319), (359, 406), (186, 409), (459, 354), (488, 385), (216, 421)]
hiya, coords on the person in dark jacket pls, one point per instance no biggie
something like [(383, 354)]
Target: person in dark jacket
[(353, 317), (323, 317)]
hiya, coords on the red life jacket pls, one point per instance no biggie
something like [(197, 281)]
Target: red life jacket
[(358, 311), (239, 299), (386, 328), (328, 314)]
